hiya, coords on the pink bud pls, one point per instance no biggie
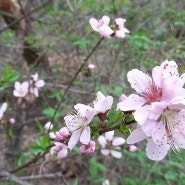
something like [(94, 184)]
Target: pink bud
[(122, 97), (132, 148), (89, 148), (91, 67), (64, 132), (11, 121)]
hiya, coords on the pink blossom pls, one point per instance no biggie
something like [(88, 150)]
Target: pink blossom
[(132, 148), (102, 26), (21, 90), (60, 149), (119, 22), (89, 148), (122, 97), (91, 67), (3, 109), (11, 121), (60, 135), (78, 125), (120, 31), (163, 126), (111, 144), (164, 84), (35, 84), (159, 109), (102, 103)]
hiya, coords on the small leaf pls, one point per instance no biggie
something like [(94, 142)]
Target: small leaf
[(37, 149)]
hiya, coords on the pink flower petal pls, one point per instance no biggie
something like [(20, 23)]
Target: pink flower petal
[(102, 141), (139, 80), (74, 138), (105, 19), (73, 122), (132, 102), (118, 141), (85, 136), (105, 151), (62, 153), (40, 83), (116, 154), (109, 135), (156, 152), (94, 24), (136, 136)]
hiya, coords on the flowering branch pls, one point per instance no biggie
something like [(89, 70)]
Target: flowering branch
[(76, 74)]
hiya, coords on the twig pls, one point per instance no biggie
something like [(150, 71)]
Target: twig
[(25, 165), (25, 15), (7, 176), (74, 77), (43, 176), (116, 127)]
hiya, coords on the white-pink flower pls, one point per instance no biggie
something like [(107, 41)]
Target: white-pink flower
[(21, 89), (111, 144), (163, 125), (159, 109), (3, 109), (120, 31), (60, 149), (89, 148), (35, 84), (164, 85), (102, 103), (102, 26), (78, 125)]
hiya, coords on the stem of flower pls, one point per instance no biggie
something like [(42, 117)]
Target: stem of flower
[(74, 77)]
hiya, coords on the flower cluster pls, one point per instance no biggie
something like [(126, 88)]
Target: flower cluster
[(101, 26), (78, 125), (28, 87), (159, 109)]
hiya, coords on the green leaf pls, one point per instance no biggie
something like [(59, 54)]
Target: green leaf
[(10, 131), (75, 182), (123, 129), (49, 112), (114, 116), (40, 127), (37, 149)]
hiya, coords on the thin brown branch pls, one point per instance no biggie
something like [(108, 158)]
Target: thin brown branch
[(8, 176), (76, 74), (25, 165)]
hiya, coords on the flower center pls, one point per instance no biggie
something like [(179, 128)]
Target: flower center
[(152, 94)]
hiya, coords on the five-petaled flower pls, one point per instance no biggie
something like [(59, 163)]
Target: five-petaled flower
[(111, 144), (159, 109), (35, 84), (21, 89), (102, 26), (78, 125)]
